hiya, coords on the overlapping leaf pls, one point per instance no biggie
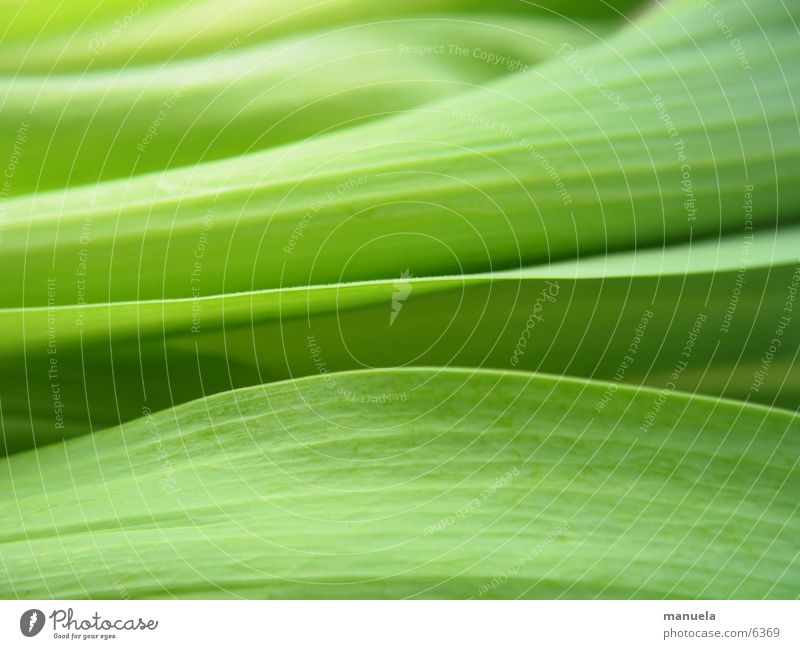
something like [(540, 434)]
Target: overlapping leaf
[(626, 317), (625, 212), (537, 167), (240, 99), (425, 483)]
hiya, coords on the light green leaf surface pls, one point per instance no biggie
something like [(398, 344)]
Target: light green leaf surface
[(626, 317), (554, 282), (240, 99), (466, 185), (424, 483), (94, 34)]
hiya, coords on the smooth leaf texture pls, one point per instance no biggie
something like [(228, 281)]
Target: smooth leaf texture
[(240, 99), (626, 317), (465, 186), (87, 34), (426, 483), (292, 309)]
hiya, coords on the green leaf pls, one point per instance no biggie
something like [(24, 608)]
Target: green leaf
[(96, 34), (467, 185), (617, 225), (423, 483), (626, 317), (240, 99)]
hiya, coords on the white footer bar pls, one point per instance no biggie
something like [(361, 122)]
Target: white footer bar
[(404, 624)]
